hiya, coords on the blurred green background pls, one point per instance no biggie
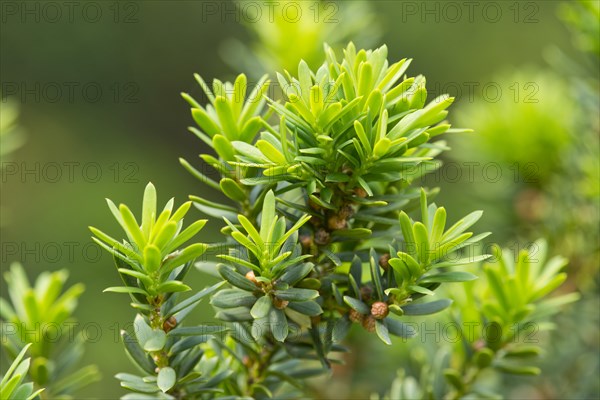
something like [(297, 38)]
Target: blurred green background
[(82, 145)]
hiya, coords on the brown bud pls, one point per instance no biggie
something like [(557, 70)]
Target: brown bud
[(247, 361), (346, 211), (369, 323), (306, 241), (280, 303), (355, 316), (322, 237), (384, 261), (360, 192), (315, 221), (169, 324), (335, 222), (479, 344), (365, 293), (156, 358), (251, 277), (379, 310)]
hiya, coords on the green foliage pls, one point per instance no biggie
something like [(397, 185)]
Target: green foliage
[(542, 146), (168, 354), (543, 135), (508, 307), (413, 274), (296, 30), (582, 17), (318, 236), (528, 128), (11, 386), (569, 372), (512, 298), (261, 368), (269, 270), (349, 123), (551, 138), (37, 318), (324, 228), (230, 115), (513, 290), (151, 261)]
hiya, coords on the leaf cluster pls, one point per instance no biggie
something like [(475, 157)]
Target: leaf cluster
[(317, 233), (36, 318), (11, 384), (513, 305)]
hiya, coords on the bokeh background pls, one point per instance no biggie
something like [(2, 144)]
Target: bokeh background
[(96, 88)]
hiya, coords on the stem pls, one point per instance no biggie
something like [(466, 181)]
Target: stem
[(468, 379), (156, 322), (259, 368), (470, 375)]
